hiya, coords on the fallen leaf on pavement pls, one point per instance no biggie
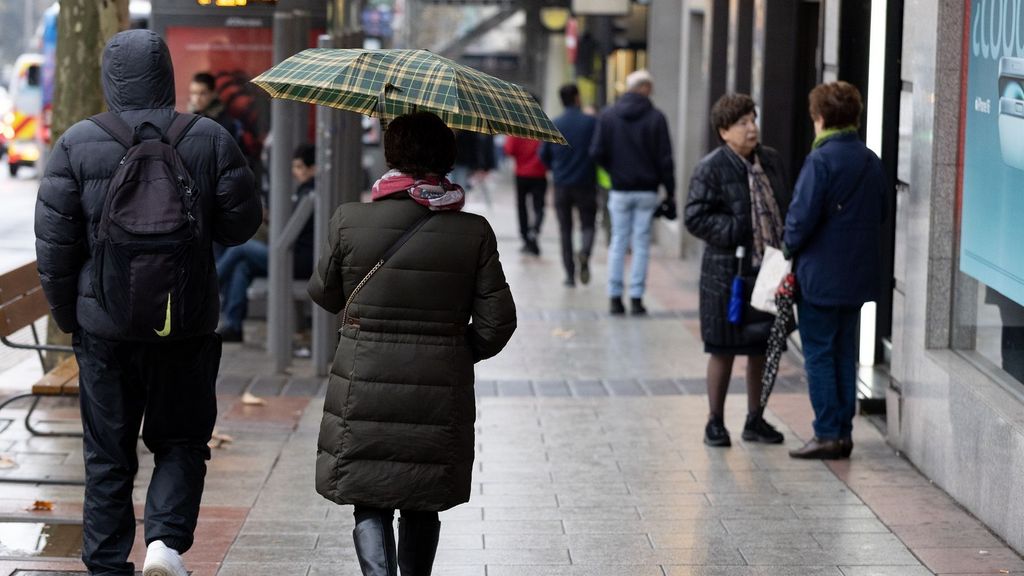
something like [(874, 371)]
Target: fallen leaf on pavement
[(218, 440), (41, 506), (7, 462), (252, 400), (564, 334)]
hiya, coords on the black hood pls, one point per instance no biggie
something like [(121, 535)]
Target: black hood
[(137, 72), (632, 106)]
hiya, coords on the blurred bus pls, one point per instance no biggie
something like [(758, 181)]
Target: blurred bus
[(22, 122)]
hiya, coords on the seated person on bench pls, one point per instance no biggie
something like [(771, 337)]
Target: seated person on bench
[(238, 265)]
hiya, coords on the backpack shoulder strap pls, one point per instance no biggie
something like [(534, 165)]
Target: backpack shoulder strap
[(180, 126), (118, 129)]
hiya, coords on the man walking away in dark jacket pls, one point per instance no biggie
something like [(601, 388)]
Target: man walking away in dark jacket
[(632, 143), (574, 175), (168, 377)]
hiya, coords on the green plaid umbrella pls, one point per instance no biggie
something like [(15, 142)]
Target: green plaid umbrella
[(390, 83)]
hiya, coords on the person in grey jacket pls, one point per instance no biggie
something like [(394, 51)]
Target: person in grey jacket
[(171, 381), (397, 431)]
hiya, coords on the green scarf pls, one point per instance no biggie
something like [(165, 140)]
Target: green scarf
[(829, 133)]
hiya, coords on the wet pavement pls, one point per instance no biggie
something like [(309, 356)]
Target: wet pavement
[(589, 461)]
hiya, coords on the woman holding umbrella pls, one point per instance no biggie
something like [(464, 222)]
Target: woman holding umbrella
[(832, 232), (423, 297), (736, 204)]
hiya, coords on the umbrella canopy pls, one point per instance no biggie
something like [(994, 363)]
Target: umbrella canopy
[(389, 83)]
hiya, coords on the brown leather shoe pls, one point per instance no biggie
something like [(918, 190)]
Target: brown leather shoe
[(845, 447), (817, 449)]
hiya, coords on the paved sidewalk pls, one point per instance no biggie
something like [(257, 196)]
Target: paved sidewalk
[(589, 462)]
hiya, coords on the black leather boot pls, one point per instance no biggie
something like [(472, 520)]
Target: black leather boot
[(374, 537), (417, 544)]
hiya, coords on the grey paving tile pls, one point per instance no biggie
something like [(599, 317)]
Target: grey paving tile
[(814, 525), (304, 386), (625, 388), (752, 571), (515, 388), (524, 556), (829, 511), (699, 540), (232, 384), (268, 385), (505, 527), (563, 513), (263, 569), (574, 571), (566, 541), (854, 557), (552, 388), (297, 541), (706, 556), (885, 571), (693, 512), (588, 388), (486, 388), (710, 527)]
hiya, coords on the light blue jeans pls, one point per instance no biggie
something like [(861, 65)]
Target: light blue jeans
[(631, 214)]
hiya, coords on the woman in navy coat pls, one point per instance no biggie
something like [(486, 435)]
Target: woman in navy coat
[(833, 230)]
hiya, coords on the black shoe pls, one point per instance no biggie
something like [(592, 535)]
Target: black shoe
[(569, 283), (533, 247), (375, 546), (417, 545), (228, 334), (715, 433), (636, 307), (584, 268), (845, 447), (617, 309), (817, 449), (758, 430)]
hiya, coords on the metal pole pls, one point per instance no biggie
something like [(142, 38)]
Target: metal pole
[(301, 24), (325, 324), (282, 114)]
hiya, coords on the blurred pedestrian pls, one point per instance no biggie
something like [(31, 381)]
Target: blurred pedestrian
[(832, 233), (239, 265), (144, 336), (737, 204), (632, 143), (573, 173), (397, 431), (531, 189), (203, 100)]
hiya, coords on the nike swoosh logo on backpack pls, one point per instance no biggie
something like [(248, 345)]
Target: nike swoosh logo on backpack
[(167, 321)]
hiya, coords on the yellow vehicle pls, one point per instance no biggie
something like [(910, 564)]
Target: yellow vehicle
[(22, 122)]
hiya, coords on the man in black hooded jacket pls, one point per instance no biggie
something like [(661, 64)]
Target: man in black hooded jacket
[(172, 381)]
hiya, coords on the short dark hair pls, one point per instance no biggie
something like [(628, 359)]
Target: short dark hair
[(418, 144), (569, 93), (306, 153), (837, 103), (729, 109), (205, 78)]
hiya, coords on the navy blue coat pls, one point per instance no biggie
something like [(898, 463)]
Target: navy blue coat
[(572, 165), (833, 228), (632, 143)]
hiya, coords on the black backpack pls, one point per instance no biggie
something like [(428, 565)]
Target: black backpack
[(150, 267)]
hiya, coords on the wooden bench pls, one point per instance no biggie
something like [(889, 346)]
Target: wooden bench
[(22, 303)]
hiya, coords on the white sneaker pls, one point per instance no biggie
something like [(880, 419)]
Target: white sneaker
[(162, 561)]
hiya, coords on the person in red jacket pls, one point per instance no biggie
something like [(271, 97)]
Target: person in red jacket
[(532, 184)]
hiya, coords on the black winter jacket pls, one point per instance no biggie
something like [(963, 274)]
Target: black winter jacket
[(397, 430), (632, 143), (138, 82), (718, 212)]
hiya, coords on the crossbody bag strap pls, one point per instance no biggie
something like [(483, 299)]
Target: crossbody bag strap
[(380, 263)]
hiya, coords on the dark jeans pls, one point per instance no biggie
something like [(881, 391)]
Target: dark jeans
[(236, 268), (584, 199), (829, 338), (533, 189), (173, 385)]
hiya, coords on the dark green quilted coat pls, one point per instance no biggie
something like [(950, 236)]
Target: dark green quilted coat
[(397, 430)]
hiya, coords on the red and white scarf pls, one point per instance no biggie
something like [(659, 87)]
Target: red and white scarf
[(433, 192)]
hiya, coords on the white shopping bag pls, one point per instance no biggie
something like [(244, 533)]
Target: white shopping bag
[(774, 268)]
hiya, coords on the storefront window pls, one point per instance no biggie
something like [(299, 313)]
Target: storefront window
[(989, 293)]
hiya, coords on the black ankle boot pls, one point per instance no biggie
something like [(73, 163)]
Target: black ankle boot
[(616, 308), (417, 544), (636, 307), (374, 538)]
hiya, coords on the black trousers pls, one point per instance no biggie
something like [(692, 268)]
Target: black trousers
[(173, 385), (532, 189), (584, 199)]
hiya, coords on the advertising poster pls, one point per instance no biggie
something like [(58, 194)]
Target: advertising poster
[(241, 52), (992, 217)]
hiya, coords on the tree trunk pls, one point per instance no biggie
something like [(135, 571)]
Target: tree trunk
[(83, 28)]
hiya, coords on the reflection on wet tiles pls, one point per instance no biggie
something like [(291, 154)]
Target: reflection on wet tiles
[(36, 539)]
